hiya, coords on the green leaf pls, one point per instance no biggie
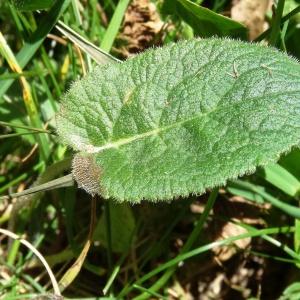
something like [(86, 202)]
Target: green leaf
[(292, 292), (282, 179), (181, 119), (122, 228), (291, 162), (29, 5), (207, 23)]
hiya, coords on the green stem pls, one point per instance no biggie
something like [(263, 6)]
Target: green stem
[(11, 135), (283, 20), (117, 267), (272, 241), (64, 181), (151, 293), (108, 237), (287, 208), (24, 127), (276, 22)]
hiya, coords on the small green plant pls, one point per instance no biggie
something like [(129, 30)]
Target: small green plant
[(181, 119)]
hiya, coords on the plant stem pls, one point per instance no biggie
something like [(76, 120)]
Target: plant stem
[(276, 22), (25, 127), (283, 20), (64, 181), (108, 237), (287, 208)]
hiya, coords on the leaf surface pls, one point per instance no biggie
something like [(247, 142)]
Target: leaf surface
[(181, 119)]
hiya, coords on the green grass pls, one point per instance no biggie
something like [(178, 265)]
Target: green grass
[(143, 251)]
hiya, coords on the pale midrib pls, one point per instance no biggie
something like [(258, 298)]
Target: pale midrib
[(116, 144), (124, 141)]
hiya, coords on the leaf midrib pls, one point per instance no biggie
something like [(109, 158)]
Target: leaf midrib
[(124, 141)]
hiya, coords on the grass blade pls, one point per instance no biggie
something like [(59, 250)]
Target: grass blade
[(283, 20), (100, 56), (37, 38), (225, 242), (276, 22), (282, 179), (50, 185), (27, 97), (287, 208), (114, 25)]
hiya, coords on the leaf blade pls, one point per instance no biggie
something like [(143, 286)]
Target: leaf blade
[(205, 22), (183, 118)]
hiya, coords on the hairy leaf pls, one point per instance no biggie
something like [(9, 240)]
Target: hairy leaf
[(181, 119)]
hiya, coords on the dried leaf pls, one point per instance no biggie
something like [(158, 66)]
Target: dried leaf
[(141, 25)]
